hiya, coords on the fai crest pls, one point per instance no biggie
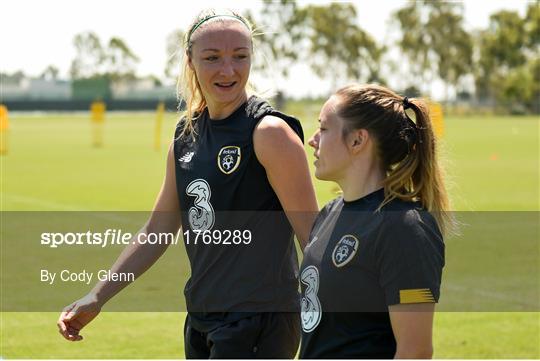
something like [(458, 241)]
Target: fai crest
[(229, 159), (345, 250)]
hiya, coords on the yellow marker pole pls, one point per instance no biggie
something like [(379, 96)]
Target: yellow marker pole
[(159, 121), (437, 119), (97, 111), (4, 129)]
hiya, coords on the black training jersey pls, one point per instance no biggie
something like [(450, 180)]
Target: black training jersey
[(224, 193), (358, 262)]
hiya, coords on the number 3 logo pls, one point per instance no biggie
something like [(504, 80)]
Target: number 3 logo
[(201, 215), (311, 306)]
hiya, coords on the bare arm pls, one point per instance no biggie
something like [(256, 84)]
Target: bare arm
[(282, 154), (136, 258), (412, 325)]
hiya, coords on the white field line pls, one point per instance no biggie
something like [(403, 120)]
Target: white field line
[(51, 206), (501, 296)]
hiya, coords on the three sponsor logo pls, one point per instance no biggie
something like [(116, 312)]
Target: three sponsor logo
[(311, 306)]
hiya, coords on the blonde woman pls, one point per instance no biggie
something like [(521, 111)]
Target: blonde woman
[(237, 175)]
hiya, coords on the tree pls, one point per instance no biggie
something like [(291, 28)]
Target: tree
[(50, 73), (505, 39), (508, 65), (116, 61), (532, 27), (451, 44), (339, 48), (89, 58), (501, 51), (534, 71), (434, 41), (278, 36), (175, 49), (120, 60), (328, 37), (413, 44), (532, 30), (14, 78)]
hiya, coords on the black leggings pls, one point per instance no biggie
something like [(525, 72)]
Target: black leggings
[(264, 335)]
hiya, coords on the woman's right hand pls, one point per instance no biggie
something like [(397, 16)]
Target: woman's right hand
[(76, 316)]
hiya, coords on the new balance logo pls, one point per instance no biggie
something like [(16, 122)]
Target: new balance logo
[(186, 158)]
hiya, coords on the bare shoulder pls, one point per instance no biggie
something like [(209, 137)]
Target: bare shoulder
[(271, 125), (274, 131), (271, 134)]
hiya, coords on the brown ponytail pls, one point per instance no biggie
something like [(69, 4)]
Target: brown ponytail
[(407, 150)]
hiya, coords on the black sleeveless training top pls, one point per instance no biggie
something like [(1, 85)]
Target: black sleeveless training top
[(244, 260)]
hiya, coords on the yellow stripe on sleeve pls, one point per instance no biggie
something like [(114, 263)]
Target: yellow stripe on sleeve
[(417, 295)]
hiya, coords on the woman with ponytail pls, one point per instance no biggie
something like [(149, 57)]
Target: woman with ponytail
[(237, 180), (372, 270)]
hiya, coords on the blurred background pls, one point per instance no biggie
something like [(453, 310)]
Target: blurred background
[(473, 56), (89, 105)]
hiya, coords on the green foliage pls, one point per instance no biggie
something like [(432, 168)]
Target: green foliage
[(339, 48), (433, 44), (50, 72), (504, 40), (116, 61), (413, 43), (90, 55), (434, 41), (532, 25), (120, 60), (175, 47), (12, 78), (450, 42), (327, 38), (278, 36), (507, 69), (519, 89)]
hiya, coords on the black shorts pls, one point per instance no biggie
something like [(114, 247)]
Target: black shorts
[(264, 335)]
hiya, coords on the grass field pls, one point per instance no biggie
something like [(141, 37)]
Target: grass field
[(492, 164)]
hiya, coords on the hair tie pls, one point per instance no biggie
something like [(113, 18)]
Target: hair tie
[(410, 125), (406, 103)]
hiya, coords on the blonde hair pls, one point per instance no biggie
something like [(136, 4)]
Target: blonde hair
[(188, 88), (407, 150)]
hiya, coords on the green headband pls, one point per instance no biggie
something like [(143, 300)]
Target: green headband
[(205, 19)]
